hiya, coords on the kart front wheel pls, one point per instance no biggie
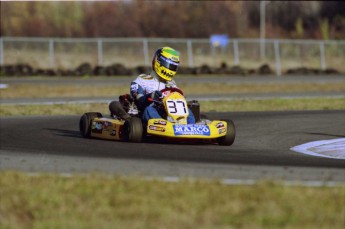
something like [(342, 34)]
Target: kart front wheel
[(229, 138), (134, 129), (85, 123)]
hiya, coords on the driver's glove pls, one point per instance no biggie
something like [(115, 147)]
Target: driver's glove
[(157, 96)]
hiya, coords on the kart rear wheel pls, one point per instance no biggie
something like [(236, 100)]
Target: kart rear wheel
[(134, 129), (85, 123), (229, 138)]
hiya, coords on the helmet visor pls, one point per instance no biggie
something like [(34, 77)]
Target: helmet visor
[(169, 64)]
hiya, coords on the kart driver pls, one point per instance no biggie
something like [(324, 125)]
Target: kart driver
[(146, 89)]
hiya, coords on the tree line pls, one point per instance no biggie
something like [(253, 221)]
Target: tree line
[(173, 19)]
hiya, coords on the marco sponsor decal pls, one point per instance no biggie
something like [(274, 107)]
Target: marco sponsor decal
[(191, 130)]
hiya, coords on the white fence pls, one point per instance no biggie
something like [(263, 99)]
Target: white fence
[(70, 52)]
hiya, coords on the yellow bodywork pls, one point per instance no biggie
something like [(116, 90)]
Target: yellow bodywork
[(176, 124), (107, 128), (176, 102), (161, 127)]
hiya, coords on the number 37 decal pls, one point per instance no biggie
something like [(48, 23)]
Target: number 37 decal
[(177, 107)]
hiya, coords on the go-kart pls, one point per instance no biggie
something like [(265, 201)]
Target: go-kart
[(172, 126)]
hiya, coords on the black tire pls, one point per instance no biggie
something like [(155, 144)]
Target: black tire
[(229, 138), (134, 129), (85, 123)]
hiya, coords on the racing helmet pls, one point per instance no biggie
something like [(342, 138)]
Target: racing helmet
[(165, 63)]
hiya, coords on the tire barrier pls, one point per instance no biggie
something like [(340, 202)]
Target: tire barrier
[(85, 69)]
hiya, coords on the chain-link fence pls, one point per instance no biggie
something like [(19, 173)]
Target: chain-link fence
[(63, 53)]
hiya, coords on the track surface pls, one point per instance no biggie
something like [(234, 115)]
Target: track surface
[(261, 149)]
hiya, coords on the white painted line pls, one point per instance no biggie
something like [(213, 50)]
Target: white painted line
[(58, 102), (244, 182), (269, 98), (3, 86), (334, 148)]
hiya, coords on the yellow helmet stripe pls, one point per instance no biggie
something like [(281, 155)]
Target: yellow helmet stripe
[(171, 53)]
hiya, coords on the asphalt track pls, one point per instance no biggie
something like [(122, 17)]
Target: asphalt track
[(261, 149)]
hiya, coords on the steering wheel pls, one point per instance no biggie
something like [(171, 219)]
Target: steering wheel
[(172, 89)]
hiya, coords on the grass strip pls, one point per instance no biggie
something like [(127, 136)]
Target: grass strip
[(99, 201), (51, 91), (206, 106), (275, 104)]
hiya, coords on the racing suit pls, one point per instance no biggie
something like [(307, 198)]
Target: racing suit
[(143, 88)]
